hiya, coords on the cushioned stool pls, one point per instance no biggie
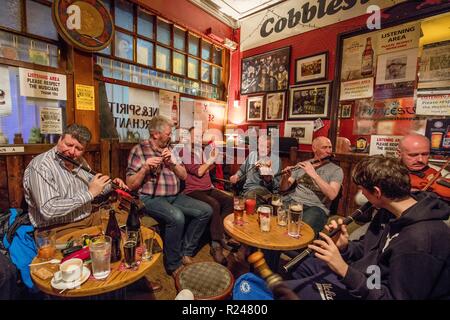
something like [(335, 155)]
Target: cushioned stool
[(206, 280)]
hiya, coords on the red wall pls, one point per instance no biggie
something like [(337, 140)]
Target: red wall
[(186, 14), (302, 45)]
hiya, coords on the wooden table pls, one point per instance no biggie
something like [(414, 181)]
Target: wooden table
[(276, 239), (117, 279)]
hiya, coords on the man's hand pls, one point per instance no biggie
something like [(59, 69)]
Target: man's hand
[(234, 179), (341, 238), (120, 183), (328, 252), (167, 158), (287, 172), (308, 168), (213, 155), (98, 183), (152, 163)]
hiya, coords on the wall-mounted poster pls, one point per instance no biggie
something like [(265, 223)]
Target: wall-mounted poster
[(301, 130), (435, 105), (435, 65), (385, 145), (275, 106), (356, 89), (50, 120), (311, 68), (255, 108), (438, 131), (402, 37), (309, 101), (169, 103), (40, 84), (266, 72), (5, 92), (84, 97), (359, 58)]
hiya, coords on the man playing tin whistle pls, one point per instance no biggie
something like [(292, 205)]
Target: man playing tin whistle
[(318, 183)]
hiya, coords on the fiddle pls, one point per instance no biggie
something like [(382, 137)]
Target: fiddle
[(430, 179)]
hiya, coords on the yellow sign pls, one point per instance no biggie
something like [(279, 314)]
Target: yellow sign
[(84, 97)]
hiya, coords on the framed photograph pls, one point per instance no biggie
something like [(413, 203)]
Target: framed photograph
[(434, 70), (311, 68), (301, 130), (266, 72), (309, 101), (275, 106), (255, 108), (271, 127), (345, 110)]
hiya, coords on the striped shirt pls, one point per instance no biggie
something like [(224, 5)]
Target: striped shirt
[(55, 195), (168, 183)]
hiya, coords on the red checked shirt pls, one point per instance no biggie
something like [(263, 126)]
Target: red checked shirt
[(168, 183)]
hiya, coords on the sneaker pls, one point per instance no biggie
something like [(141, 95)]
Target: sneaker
[(217, 254)]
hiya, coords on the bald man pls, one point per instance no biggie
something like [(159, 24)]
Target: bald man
[(414, 151), (317, 184)]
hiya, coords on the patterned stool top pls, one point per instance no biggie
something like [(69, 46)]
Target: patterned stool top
[(206, 280)]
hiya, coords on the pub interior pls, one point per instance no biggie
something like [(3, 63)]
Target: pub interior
[(221, 150)]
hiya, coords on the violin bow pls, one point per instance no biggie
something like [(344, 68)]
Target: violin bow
[(438, 174)]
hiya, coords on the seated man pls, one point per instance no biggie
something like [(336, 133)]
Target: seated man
[(405, 253), (199, 186), (258, 170), (153, 171), (414, 152), (317, 184), (59, 194)]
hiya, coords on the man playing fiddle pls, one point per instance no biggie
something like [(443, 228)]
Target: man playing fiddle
[(317, 184), (414, 151)]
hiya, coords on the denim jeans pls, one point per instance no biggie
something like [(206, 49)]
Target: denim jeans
[(172, 210), (8, 279)]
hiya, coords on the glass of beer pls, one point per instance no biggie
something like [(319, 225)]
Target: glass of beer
[(436, 138), (276, 203), (239, 206), (295, 217), (45, 242), (264, 213)]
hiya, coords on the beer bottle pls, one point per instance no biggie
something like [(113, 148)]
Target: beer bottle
[(113, 231), (174, 111), (367, 59), (133, 222)]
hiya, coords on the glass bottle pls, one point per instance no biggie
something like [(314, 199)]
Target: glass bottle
[(133, 222), (367, 59), (113, 231)]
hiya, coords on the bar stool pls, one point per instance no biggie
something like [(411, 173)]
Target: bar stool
[(207, 280)]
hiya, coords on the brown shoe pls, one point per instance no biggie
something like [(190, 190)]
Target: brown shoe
[(218, 256), (187, 260)]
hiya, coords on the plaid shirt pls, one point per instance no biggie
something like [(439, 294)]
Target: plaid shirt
[(168, 183)]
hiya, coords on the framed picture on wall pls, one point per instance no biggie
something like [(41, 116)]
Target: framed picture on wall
[(266, 72), (275, 106), (311, 68), (255, 108), (271, 127), (301, 130), (309, 101), (345, 110)]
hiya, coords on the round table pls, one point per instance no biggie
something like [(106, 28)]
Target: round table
[(276, 239), (117, 278)]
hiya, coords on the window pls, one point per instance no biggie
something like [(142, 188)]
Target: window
[(124, 46), (179, 62), (162, 58), (206, 50), (144, 52), (193, 68), (124, 15), (206, 70), (179, 39), (193, 45), (10, 14), (145, 24), (163, 32), (217, 55)]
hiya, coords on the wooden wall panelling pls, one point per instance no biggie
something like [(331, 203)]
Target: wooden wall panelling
[(4, 194), (105, 147), (15, 169)]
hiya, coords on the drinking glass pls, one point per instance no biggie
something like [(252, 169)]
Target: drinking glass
[(282, 216), (239, 205), (147, 247), (276, 203), (100, 250), (295, 219), (264, 214), (129, 249), (250, 204), (45, 242)]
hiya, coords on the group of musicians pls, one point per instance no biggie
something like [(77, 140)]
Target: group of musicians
[(407, 240)]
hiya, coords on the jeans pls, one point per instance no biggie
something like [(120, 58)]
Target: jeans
[(172, 211), (8, 279)]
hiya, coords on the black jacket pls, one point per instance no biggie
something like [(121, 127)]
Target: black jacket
[(414, 264)]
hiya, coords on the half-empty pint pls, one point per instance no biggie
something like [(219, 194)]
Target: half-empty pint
[(295, 219), (264, 213)]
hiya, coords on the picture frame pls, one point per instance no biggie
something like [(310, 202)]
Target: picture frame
[(255, 108), (266, 72), (301, 130), (311, 68), (345, 110), (275, 105), (272, 126), (310, 101)]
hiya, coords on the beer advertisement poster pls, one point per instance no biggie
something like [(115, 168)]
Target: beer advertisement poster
[(359, 57), (356, 89), (438, 131), (402, 37), (169, 105), (436, 105), (5, 92)]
